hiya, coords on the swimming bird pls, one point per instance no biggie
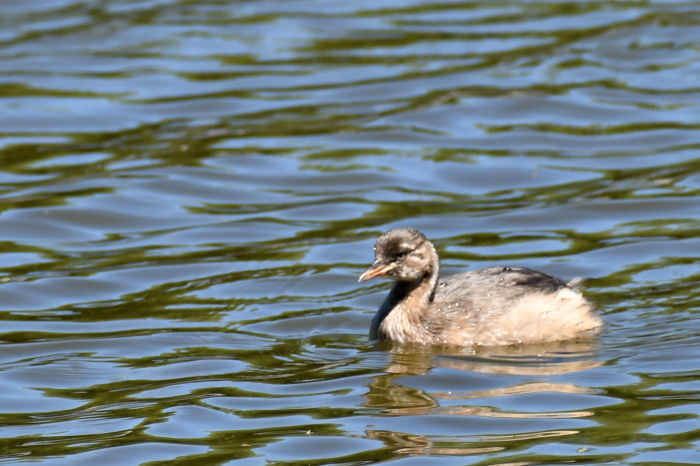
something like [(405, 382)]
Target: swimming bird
[(495, 306)]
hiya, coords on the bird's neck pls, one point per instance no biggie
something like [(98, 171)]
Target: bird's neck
[(402, 315)]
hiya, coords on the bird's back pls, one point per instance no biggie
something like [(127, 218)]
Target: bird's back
[(508, 305)]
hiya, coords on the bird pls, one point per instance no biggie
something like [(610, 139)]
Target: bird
[(494, 306)]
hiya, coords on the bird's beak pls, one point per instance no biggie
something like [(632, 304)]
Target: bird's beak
[(376, 270)]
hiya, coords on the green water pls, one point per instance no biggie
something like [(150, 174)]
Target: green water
[(190, 190)]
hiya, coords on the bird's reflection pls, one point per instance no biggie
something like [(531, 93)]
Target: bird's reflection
[(538, 360), (536, 363)]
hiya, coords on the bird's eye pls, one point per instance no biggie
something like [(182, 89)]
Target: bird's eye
[(401, 255)]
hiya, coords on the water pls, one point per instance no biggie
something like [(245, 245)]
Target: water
[(191, 189)]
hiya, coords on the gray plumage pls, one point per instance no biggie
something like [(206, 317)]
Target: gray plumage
[(491, 306)]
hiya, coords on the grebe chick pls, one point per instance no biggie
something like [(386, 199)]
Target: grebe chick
[(492, 307)]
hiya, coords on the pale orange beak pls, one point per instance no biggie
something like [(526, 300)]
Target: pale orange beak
[(376, 270)]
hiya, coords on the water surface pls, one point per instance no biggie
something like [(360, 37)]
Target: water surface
[(189, 191)]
